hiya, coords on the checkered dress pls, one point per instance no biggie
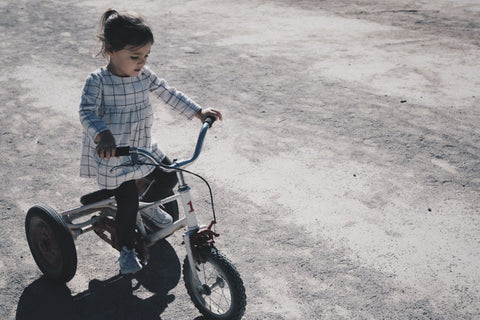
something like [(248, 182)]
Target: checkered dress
[(121, 105)]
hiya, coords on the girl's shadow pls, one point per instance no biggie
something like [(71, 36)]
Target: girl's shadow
[(110, 299)]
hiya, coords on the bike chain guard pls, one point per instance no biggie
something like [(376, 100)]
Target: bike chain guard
[(105, 229)]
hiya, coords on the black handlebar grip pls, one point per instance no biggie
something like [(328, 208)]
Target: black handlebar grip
[(210, 120), (122, 151)]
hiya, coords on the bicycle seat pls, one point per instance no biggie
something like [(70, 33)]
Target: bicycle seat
[(99, 195), (96, 196)]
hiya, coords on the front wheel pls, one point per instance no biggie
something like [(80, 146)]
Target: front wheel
[(222, 294), (51, 243)]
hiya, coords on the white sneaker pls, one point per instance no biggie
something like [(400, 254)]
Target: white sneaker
[(158, 216), (128, 261)]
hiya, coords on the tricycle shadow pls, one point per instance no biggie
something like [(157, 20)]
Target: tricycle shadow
[(114, 298)]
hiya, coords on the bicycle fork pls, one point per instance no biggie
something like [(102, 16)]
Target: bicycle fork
[(192, 225), (192, 228)]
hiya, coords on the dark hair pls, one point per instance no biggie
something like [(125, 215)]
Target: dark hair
[(121, 29)]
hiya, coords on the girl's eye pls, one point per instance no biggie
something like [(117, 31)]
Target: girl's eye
[(134, 58)]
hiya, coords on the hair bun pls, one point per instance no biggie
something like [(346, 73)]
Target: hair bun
[(109, 14), (121, 29)]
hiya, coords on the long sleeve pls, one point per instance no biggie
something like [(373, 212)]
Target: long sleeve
[(174, 98), (122, 105), (90, 105)]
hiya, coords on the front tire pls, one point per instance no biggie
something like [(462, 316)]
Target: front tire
[(51, 243), (222, 295)]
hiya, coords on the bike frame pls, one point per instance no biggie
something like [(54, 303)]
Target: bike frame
[(107, 207)]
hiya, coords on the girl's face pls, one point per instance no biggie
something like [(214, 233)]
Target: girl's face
[(129, 61)]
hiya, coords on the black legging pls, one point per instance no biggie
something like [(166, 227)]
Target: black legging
[(127, 206), (127, 202), (162, 186)]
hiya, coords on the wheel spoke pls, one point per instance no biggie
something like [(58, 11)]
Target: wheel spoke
[(218, 300), (222, 295), (218, 283)]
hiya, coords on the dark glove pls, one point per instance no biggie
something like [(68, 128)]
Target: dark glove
[(106, 145)]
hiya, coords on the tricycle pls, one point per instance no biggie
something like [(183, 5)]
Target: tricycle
[(211, 280)]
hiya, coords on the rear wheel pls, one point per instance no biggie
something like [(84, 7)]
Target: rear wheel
[(51, 243), (222, 294)]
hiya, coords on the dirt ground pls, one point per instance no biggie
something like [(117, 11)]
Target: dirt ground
[(346, 172)]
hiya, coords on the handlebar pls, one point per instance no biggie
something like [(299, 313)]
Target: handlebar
[(122, 151), (210, 120), (135, 152)]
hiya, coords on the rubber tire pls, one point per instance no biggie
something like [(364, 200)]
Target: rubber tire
[(51, 243), (231, 276)]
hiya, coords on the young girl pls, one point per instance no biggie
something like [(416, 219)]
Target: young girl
[(115, 111)]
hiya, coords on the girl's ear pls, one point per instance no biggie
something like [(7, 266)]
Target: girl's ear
[(108, 50)]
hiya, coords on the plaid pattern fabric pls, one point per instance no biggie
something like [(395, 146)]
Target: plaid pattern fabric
[(121, 105)]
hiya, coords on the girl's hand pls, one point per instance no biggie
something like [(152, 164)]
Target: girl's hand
[(209, 112), (106, 145)]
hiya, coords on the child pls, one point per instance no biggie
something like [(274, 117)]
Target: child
[(115, 111)]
